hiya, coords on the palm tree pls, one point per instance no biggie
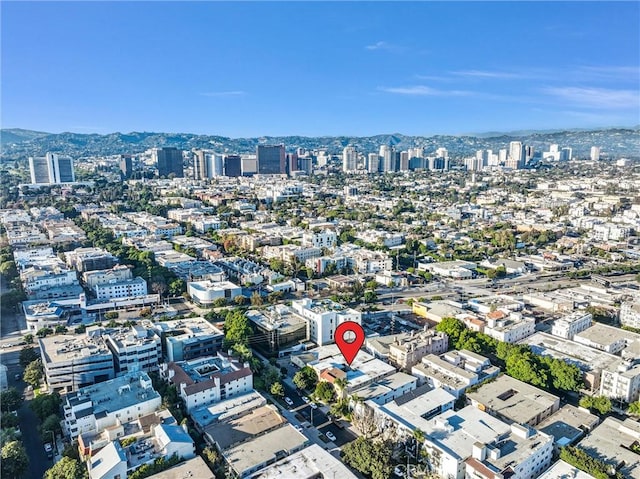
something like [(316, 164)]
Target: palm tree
[(341, 384)]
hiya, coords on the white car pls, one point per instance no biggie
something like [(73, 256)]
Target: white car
[(313, 405), (305, 399), (330, 435), (298, 428), (288, 401)]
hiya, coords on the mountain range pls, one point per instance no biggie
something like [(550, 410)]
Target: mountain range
[(16, 143)]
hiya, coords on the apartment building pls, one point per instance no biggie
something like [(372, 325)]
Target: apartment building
[(208, 380), (188, 338), (128, 288), (324, 316), (408, 351), (568, 326), (94, 408)]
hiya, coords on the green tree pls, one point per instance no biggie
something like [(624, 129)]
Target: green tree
[(67, 468), (28, 338), (45, 405), (237, 329), (586, 462), (634, 408), (51, 423), (14, 460), (28, 354), (34, 373), (306, 378), (600, 404), (256, 299), (565, 376), (370, 296), (277, 389), (10, 400), (324, 391), (9, 420), (370, 458), (453, 328)]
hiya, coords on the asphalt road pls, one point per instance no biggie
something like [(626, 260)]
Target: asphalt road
[(38, 461)]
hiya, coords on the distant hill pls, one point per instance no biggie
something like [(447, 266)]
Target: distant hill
[(18, 135), (17, 143)]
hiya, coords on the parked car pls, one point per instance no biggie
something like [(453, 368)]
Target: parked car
[(305, 399), (313, 405), (330, 435), (288, 401), (49, 450)]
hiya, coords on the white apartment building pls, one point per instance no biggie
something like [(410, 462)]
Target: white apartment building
[(288, 253), (128, 288), (326, 238), (511, 329), (381, 237), (116, 274), (95, 408), (568, 326), (324, 316), (208, 380), (621, 381), (630, 314)]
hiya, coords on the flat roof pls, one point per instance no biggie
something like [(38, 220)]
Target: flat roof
[(562, 470), (67, 347), (609, 442), (193, 468), (271, 446), (513, 399), (582, 356), (234, 406), (312, 461), (235, 430)]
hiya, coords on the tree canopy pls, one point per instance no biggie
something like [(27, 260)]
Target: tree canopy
[(14, 460), (372, 458), (67, 468)]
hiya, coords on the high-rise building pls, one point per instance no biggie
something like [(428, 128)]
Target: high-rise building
[(373, 163), (199, 165), (349, 159), (566, 154), (502, 156), (292, 163), (51, 169), (404, 161), (271, 159), (305, 164), (516, 155), (233, 165), (169, 161), (388, 157), (126, 166), (595, 153)]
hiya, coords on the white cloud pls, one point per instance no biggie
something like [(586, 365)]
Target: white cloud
[(423, 90), (596, 97), (378, 46), (224, 93), (487, 74)]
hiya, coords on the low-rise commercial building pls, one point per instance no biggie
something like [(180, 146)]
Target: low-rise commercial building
[(613, 442), (278, 328), (128, 288), (205, 293), (514, 401)]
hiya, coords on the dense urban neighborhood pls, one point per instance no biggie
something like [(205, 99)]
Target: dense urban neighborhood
[(169, 311)]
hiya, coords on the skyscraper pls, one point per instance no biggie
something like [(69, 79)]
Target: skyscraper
[(516, 155), (271, 160), (168, 160), (51, 169), (373, 163), (233, 165), (292, 163), (388, 157), (349, 159), (566, 154), (126, 166), (595, 153), (404, 161), (199, 165)]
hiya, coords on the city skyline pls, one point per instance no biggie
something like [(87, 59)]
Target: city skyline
[(268, 69)]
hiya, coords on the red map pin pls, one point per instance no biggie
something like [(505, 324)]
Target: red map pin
[(350, 345)]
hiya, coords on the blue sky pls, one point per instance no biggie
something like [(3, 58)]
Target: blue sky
[(319, 68)]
